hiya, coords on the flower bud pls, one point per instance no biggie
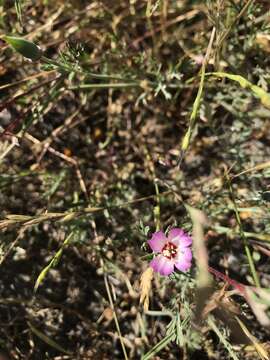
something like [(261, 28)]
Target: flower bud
[(24, 47)]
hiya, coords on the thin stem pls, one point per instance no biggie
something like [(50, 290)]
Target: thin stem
[(124, 81), (243, 236), (79, 70), (239, 286), (8, 149), (151, 166), (114, 316), (237, 18), (196, 104), (104, 86), (225, 230), (222, 338), (68, 216)]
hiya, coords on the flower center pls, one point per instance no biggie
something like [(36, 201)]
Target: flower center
[(169, 250)]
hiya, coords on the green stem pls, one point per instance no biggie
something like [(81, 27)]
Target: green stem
[(222, 338), (196, 104), (225, 230), (79, 70), (104, 86), (124, 81), (242, 235)]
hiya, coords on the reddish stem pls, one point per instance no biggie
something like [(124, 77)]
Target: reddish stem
[(240, 287)]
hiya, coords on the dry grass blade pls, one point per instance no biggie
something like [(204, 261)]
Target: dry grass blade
[(259, 301), (115, 316), (204, 280), (145, 286), (27, 221), (258, 167), (262, 352)]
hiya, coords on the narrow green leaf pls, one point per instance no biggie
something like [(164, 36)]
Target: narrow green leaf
[(48, 340), (159, 346), (18, 7), (54, 261), (244, 83)]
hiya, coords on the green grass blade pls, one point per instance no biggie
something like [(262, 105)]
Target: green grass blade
[(52, 263), (18, 7), (159, 346), (244, 83), (48, 340)]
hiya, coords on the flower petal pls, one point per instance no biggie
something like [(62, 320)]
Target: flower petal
[(178, 237), (183, 260), (162, 265), (157, 241)]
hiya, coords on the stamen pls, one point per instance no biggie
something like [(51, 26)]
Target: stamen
[(169, 250)]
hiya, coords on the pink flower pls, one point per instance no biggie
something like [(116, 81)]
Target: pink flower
[(172, 251)]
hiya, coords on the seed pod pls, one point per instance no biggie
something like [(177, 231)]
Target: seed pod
[(24, 47)]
